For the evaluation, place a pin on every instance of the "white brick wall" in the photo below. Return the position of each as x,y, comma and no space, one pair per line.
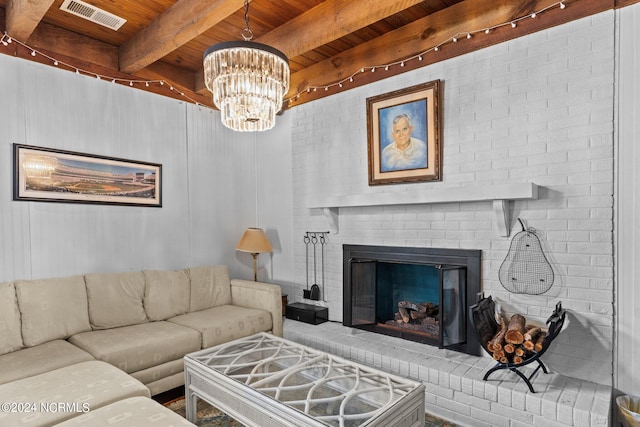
538,109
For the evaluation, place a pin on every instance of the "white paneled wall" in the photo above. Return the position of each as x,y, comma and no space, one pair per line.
274,200
627,376
222,182
536,109
209,180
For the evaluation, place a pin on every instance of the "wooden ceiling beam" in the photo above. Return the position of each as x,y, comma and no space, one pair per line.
423,35
181,23
416,37
200,87
73,45
23,16
310,29
177,81
625,3
329,21
101,59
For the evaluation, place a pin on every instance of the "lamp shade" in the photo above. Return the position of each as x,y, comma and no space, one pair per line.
254,241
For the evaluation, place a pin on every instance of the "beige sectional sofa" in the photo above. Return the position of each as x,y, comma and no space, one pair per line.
140,322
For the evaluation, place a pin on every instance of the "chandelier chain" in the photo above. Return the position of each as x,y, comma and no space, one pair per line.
247,34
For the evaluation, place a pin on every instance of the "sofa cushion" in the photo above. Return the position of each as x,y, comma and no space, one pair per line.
84,386
52,308
136,347
115,299
166,293
134,411
10,327
158,372
210,287
225,323
42,358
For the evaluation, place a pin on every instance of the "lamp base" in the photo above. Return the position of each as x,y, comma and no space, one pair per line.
255,267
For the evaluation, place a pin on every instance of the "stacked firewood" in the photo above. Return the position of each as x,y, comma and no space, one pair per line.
417,317
515,341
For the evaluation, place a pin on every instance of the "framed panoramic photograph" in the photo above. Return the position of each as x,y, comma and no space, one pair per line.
49,175
403,135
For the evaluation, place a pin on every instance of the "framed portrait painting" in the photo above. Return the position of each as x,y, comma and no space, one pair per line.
50,175
403,133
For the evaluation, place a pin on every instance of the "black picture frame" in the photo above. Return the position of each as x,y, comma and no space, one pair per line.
50,175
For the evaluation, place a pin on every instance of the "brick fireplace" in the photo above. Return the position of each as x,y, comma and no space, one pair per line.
418,294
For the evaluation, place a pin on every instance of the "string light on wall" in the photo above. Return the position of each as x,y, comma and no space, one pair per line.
6,39
419,56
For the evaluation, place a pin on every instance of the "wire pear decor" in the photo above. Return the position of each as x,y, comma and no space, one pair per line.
525,270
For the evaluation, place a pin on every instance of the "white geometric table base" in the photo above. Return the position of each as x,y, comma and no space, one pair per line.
265,380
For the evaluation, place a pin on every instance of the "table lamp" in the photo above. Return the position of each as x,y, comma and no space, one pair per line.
255,242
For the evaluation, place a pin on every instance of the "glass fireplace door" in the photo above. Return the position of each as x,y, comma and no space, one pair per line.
423,302
453,314
363,292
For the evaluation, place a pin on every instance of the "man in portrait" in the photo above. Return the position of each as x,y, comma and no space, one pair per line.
405,151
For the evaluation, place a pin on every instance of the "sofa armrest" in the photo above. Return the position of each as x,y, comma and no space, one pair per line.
263,296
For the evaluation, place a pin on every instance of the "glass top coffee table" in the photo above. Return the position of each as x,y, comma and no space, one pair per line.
265,381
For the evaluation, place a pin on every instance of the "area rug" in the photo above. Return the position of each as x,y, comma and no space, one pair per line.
208,416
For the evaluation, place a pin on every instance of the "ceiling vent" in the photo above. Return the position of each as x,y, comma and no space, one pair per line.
93,14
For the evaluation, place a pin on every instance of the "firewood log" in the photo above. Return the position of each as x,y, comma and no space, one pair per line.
539,342
515,329
519,351
518,359
408,304
417,315
531,333
528,345
509,348
498,339
504,359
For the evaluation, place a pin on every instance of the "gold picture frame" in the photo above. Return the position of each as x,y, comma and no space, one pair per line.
404,135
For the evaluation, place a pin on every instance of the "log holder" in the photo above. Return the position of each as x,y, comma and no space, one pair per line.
482,316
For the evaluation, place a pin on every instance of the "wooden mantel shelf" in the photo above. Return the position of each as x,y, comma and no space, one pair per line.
499,195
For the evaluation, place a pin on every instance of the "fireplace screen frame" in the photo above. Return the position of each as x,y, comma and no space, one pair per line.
469,259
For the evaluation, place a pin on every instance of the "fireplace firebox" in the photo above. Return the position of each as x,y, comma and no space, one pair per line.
419,294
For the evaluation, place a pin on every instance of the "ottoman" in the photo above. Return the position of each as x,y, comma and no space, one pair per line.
64,393
134,411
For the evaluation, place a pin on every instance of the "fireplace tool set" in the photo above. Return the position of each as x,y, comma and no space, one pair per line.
313,314
311,241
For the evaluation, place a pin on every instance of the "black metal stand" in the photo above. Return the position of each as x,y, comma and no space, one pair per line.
486,308
514,368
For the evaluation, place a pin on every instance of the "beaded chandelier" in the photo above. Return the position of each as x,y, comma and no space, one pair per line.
248,81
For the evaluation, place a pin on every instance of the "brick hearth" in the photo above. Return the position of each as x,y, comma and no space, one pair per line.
454,386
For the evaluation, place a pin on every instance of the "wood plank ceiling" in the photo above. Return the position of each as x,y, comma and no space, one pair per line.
332,45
